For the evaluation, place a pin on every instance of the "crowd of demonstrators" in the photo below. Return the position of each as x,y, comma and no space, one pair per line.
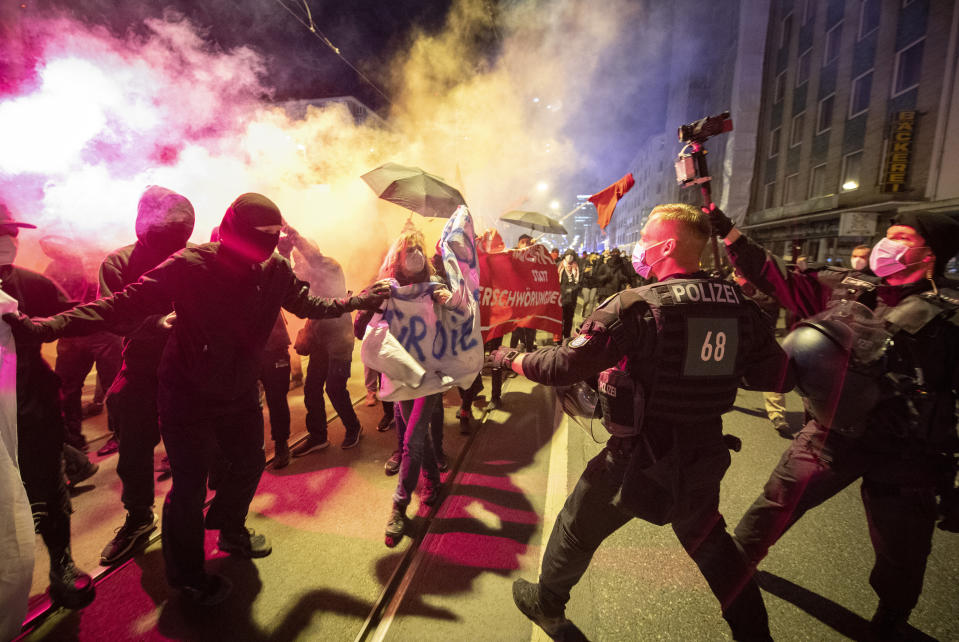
227,296
883,412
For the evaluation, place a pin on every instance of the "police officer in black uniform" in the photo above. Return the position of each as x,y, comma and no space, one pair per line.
890,421
670,357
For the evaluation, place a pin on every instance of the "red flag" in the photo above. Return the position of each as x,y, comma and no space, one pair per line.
605,200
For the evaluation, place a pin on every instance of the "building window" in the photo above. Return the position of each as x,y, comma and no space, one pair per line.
786,32
780,91
802,68
796,132
792,189
859,97
824,117
775,137
851,171
769,196
868,17
908,68
833,41
817,181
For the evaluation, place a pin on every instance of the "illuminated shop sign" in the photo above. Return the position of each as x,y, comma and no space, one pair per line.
899,152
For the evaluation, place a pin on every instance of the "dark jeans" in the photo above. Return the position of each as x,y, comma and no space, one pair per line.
40,454
898,493
132,402
275,377
76,356
413,422
231,441
437,421
331,373
525,335
569,311
592,513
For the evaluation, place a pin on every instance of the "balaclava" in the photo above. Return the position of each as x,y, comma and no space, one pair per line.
238,233
164,220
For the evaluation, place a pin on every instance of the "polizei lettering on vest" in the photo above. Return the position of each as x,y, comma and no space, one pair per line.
704,292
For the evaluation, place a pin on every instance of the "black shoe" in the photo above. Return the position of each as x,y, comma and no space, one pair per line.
464,415
110,447
210,591
69,586
281,455
352,441
396,525
309,445
887,624
392,465
386,422
784,429
442,463
133,531
244,543
494,404
556,626
431,492
77,475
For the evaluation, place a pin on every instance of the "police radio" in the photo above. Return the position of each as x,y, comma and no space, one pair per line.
622,402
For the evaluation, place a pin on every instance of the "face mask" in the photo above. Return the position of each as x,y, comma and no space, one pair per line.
414,263
859,263
639,259
887,257
8,249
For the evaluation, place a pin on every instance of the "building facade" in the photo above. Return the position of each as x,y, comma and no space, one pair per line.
858,107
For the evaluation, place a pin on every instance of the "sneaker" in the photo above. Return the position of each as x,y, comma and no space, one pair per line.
110,447
494,404
386,422
127,536
392,465
442,463
281,455
69,586
397,522
210,591
526,599
244,543
431,492
309,445
784,429
352,441
91,409
370,398
77,475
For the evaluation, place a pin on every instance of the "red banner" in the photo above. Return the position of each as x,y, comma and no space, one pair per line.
519,288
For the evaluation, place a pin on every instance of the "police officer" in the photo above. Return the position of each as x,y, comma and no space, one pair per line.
682,346
902,440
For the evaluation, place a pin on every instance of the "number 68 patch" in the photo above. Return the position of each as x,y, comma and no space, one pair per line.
711,347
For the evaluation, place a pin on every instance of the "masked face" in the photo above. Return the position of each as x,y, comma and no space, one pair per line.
413,262
642,267
8,249
250,228
889,257
859,263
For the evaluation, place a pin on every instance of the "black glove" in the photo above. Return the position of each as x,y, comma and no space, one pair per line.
30,330
501,357
370,298
722,224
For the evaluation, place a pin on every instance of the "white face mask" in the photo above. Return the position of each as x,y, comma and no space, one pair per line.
887,257
859,263
639,259
414,263
8,249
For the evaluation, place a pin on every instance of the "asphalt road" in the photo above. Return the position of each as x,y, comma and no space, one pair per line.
330,576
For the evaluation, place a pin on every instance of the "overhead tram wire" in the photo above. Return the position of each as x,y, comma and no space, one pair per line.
311,26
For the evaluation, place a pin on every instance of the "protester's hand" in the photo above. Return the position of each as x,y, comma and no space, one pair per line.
722,224
501,357
26,329
442,295
372,297
166,323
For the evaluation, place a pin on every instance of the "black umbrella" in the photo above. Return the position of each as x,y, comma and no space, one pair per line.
534,221
414,189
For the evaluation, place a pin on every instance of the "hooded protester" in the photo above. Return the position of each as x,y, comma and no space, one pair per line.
227,296
569,286
164,223
40,431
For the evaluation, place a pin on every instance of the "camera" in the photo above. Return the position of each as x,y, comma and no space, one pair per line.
700,130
